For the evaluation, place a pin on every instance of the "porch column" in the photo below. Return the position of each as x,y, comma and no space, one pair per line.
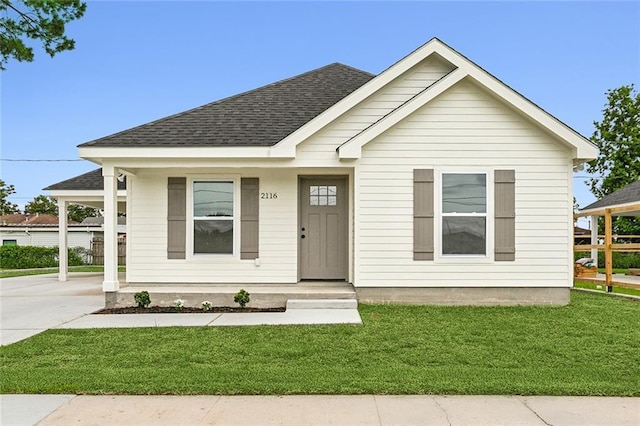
594,238
608,255
110,283
63,253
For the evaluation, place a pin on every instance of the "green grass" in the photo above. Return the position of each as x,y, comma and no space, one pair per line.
591,347
603,288
9,273
614,270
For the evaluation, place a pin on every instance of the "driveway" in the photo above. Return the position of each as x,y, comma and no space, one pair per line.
33,304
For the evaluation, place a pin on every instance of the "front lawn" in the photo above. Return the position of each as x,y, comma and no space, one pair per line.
591,347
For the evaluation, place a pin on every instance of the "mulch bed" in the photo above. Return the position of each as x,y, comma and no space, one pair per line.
185,310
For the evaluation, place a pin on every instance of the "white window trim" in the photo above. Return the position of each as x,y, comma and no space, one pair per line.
214,257
438,215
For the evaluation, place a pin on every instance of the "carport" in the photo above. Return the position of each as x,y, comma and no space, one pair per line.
623,202
86,190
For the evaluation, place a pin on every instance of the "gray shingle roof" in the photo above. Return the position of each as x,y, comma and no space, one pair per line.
91,181
260,117
625,195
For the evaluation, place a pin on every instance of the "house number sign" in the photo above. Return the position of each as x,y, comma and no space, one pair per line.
268,195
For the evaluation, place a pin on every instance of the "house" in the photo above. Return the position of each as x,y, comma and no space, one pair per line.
42,230
432,182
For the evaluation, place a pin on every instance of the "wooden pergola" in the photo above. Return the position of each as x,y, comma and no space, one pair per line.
624,202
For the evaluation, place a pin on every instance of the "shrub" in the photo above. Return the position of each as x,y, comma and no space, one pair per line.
242,298
84,254
178,304
142,299
27,257
206,305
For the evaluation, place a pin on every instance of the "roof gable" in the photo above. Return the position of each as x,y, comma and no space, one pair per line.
582,148
260,117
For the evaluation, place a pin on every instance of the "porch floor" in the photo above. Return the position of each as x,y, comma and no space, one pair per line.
262,295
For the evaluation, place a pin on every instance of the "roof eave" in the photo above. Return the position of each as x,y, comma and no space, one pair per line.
100,154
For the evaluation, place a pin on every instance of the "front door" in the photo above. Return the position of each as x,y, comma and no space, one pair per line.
323,228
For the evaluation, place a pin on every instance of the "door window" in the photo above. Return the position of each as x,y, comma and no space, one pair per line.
323,195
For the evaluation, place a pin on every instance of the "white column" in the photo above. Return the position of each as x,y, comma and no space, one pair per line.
594,237
63,253
110,282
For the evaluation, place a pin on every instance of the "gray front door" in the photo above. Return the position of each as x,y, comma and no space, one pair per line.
323,228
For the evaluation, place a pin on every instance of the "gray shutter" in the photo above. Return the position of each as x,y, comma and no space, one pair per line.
249,217
423,214
177,218
505,215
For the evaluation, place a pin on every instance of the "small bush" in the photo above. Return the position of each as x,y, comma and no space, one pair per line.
84,254
242,298
178,304
28,257
142,299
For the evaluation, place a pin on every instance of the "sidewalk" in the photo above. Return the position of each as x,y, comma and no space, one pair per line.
318,410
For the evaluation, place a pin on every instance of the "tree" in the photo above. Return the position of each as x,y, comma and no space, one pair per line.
7,207
42,205
42,20
79,213
618,138
47,205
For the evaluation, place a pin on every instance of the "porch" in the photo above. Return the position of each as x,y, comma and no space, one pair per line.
262,295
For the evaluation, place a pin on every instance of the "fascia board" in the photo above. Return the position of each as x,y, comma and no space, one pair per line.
106,153
368,89
352,149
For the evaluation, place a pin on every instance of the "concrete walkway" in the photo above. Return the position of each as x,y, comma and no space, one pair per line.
35,303
318,410
290,317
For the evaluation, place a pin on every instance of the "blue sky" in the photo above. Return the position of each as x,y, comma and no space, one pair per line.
139,61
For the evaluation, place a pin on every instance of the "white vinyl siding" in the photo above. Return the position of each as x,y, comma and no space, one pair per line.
463,130
323,145
148,261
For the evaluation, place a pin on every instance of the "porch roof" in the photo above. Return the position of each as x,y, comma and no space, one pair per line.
90,181
626,201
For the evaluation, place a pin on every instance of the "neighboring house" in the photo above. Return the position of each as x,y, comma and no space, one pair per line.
42,230
432,182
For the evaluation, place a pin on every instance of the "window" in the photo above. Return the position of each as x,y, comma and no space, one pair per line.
213,217
9,242
323,195
464,214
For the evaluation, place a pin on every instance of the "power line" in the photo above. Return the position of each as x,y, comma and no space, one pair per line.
24,160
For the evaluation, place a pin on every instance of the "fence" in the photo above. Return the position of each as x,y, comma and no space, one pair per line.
97,251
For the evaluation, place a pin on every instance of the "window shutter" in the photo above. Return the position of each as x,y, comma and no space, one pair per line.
176,217
249,217
505,215
423,214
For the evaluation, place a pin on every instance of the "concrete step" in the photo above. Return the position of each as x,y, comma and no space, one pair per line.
322,304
